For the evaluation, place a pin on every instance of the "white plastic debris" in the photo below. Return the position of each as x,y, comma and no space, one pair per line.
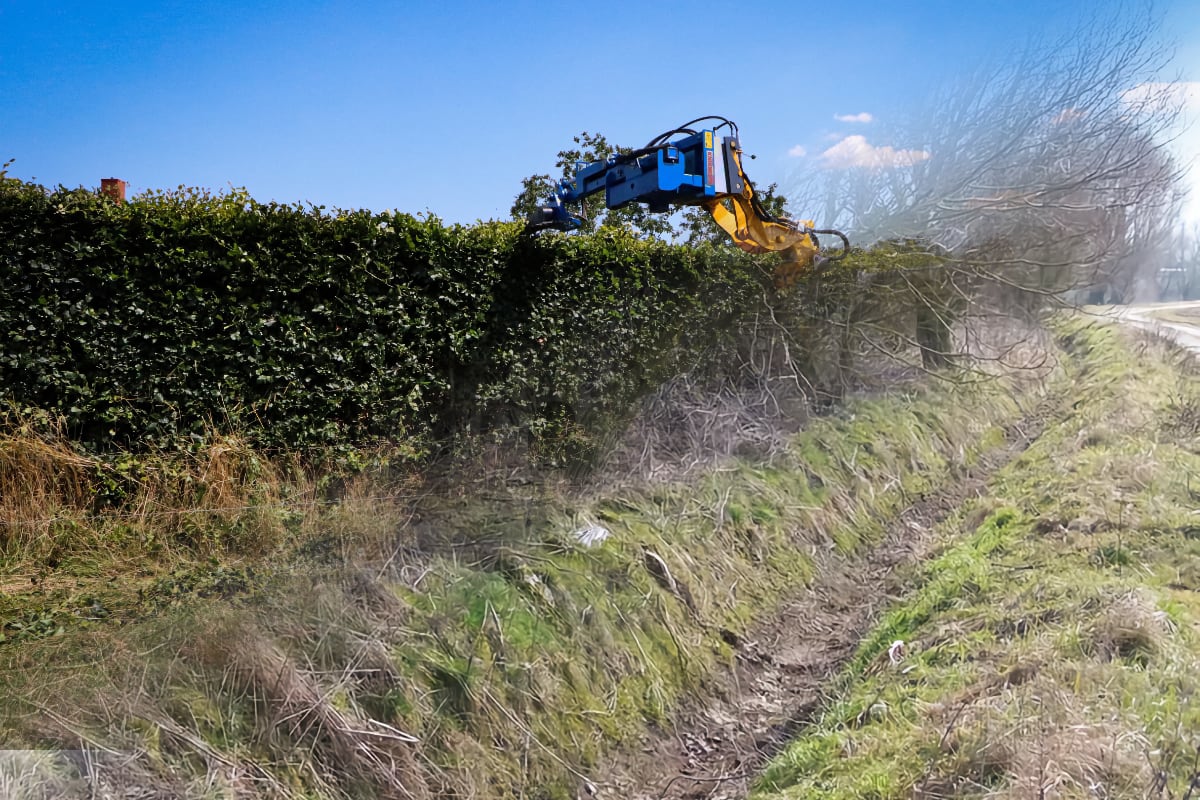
536,583
896,651
592,535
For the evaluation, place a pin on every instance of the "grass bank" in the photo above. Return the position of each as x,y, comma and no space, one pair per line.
409,642
1052,649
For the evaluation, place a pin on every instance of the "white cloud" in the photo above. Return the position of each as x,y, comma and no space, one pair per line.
863,117
799,151
856,151
1158,93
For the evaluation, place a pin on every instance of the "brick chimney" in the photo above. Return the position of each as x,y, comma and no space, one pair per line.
114,188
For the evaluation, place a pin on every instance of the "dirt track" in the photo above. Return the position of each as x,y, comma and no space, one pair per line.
715,751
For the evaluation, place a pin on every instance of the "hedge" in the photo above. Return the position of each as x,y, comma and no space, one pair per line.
145,323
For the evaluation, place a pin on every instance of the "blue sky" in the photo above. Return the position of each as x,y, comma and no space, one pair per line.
445,106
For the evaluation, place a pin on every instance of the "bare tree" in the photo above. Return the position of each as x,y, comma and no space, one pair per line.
1045,177
1070,136
1179,278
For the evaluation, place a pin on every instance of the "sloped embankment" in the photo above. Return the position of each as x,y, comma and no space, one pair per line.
473,645
717,747
1052,647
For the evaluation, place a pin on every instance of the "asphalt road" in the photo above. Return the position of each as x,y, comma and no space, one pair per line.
1177,321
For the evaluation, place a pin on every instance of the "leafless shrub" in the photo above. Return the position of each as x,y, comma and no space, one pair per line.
685,425
1047,171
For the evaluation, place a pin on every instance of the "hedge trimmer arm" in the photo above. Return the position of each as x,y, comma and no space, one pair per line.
697,169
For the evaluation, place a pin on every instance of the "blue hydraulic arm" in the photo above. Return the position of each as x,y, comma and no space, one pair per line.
700,168
688,171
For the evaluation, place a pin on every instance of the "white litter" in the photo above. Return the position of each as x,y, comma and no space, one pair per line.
592,535
535,582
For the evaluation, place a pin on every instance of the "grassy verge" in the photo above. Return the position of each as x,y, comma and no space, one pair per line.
1053,648
463,643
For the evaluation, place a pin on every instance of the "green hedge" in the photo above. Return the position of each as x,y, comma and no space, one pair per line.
147,322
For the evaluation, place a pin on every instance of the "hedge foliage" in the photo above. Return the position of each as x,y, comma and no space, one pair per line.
144,323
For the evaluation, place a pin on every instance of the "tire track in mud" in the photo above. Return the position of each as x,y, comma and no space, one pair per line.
716,749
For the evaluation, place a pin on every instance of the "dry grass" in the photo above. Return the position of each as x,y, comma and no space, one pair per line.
56,501
474,622
1131,627
38,775
296,711
42,480
1037,740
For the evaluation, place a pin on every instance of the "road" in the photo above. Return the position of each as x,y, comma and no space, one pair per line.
1179,322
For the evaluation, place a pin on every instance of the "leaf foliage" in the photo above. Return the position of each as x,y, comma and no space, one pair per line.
149,322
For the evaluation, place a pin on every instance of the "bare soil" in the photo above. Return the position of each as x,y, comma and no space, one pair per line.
715,750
